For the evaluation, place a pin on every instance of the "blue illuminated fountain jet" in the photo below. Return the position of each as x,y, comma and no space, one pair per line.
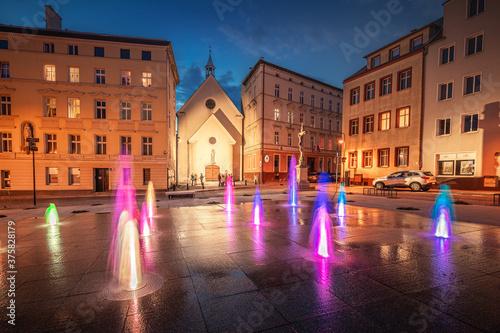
442,213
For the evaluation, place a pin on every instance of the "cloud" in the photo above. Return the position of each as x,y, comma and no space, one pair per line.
231,87
191,78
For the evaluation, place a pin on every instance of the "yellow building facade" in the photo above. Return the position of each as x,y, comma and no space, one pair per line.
89,99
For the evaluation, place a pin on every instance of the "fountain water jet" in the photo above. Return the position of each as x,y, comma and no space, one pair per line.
145,225
129,272
51,216
321,233
229,194
151,204
442,213
257,209
341,202
292,182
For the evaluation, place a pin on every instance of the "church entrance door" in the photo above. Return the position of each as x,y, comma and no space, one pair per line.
212,172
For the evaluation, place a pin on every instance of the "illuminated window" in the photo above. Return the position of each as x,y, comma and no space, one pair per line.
52,175
5,175
402,156
329,144
73,108
74,176
276,138
126,79
383,157
367,159
126,145
146,79
353,159
276,114
74,74
403,117
321,143
384,121
50,72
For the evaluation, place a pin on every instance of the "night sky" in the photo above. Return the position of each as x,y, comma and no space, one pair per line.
315,38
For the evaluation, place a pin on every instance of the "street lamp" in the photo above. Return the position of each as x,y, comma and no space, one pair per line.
342,151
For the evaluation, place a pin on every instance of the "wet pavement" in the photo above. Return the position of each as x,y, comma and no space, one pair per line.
222,274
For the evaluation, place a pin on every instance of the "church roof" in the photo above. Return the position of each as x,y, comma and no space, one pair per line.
210,62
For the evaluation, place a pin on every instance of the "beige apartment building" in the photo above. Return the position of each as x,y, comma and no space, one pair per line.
89,98
276,101
383,113
461,141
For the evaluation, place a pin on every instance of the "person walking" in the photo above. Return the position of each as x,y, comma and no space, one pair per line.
192,179
201,181
196,179
220,178
223,180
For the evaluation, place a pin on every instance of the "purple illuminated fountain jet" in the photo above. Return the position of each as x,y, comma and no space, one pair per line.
292,183
229,194
257,209
321,231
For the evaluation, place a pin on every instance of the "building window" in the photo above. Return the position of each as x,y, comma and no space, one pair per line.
4,70
311,142
383,158
126,145
48,47
146,79
470,122
290,117
73,108
353,126
100,76
147,146
146,176
474,45
50,107
405,79
125,111
74,74
146,111
447,54
146,55
50,72
5,178
276,163
301,118
4,44
276,114
313,121
475,7
52,176
321,123
290,94
126,79
353,159
368,124
370,91
329,144
321,101
100,144
51,143
465,167
276,138
384,121
98,51
394,53
301,97
376,61
74,176
330,124
416,43
73,49
386,86
355,96
367,159
403,117
100,109
402,156
472,84
289,139
443,126
338,108
330,105
75,144
338,126
124,54
277,90
445,91
312,100
321,143
6,142
5,106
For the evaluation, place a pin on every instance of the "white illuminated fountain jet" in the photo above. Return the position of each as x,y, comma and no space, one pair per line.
442,213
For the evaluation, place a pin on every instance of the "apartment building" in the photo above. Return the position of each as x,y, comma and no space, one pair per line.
383,114
89,98
276,101
461,141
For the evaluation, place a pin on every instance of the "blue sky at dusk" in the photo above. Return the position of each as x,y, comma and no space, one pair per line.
303,36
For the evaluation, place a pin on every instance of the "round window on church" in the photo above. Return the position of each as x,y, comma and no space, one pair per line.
212,140
210,103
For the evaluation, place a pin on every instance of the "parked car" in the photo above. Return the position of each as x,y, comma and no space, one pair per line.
312,177
416,180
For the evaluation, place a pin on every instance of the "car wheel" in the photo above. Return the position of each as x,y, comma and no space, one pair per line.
415,187
379,185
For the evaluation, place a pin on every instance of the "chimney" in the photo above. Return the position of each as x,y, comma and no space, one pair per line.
52,19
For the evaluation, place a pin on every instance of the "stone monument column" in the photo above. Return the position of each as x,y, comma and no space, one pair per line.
302,168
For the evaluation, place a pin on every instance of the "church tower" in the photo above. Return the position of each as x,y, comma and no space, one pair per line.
210,65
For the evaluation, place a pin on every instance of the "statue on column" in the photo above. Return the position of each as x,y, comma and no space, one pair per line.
301,143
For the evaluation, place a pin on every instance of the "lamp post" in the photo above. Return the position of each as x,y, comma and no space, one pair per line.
342,151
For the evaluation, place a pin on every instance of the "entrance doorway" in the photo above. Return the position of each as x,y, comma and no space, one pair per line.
212,173
310,163
101,179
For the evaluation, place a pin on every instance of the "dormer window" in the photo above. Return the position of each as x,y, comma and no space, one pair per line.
376,61
416,43
394,54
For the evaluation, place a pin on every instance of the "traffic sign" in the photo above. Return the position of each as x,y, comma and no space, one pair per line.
33,148
343,159
33,140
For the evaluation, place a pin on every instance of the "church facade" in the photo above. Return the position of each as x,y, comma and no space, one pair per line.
209,130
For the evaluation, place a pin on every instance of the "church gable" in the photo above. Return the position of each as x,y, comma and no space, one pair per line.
213,127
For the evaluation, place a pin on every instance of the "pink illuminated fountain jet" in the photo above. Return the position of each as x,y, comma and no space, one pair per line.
229,194
321,231
257,209
292,183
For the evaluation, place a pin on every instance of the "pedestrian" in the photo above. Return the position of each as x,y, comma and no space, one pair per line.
201,180
196,179
192,179
220,178
223,180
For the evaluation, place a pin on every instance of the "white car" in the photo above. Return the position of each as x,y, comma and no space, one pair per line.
416,180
